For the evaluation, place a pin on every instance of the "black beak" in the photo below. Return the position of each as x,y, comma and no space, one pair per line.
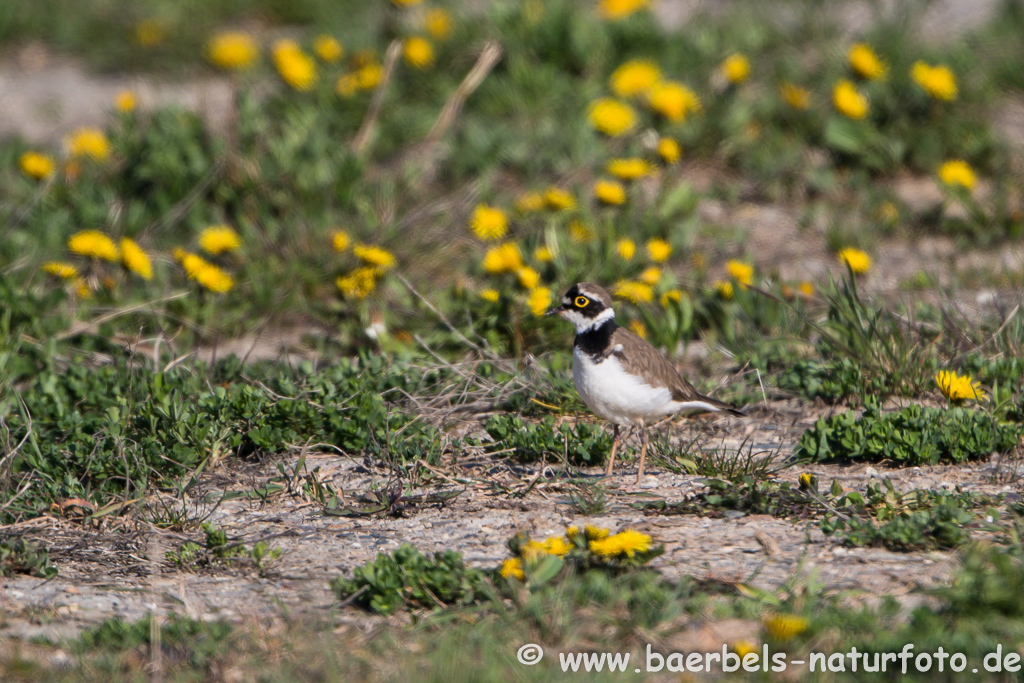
556,310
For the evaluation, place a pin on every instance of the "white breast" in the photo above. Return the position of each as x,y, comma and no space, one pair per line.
617,396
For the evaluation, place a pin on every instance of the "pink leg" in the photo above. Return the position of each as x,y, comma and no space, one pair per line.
611,456
643,451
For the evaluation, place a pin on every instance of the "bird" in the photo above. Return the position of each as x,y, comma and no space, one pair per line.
621,377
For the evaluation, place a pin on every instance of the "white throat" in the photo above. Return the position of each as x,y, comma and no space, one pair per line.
584,324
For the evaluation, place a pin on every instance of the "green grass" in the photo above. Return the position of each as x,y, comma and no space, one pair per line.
100,399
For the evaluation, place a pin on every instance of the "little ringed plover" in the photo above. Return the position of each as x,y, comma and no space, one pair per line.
621,377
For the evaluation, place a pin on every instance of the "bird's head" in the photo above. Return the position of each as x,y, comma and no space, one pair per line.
586,306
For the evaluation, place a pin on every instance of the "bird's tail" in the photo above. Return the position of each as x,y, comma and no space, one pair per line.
722,407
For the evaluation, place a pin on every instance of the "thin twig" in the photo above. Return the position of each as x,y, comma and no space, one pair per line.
484,63
81,327
485,352
28,432
362,137
352,598
40,192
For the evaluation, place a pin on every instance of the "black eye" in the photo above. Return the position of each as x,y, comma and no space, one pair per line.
581,302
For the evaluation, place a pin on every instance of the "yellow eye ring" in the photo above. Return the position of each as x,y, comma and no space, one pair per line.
581,302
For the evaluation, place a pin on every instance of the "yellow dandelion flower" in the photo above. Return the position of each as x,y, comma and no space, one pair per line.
724,289
418,52
135,259
795,96
542,254
849,101
558,199
958,387
858,261
532,551
673,100
625,248
806,288
735,68
672,295
94,244
784,627
125,101
638,328
493,262
742,648
611,117
150,32
183,257
88,142
938,81
580,232
605,547
529,202
346,85
381,259
806,480
215,279
359,283
206,274
557,545
740,271
587,534
669,150
651,275
35,165
438,23
489,294
957,172
609,192
865,62
528,277
61,270
488,222
295,67
613,10
628,169
512,568
540,300
340,240
82,289
628,543
658,250
327,48
635,77
218,239
504,258
369,76
405,3
231,50
637,292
